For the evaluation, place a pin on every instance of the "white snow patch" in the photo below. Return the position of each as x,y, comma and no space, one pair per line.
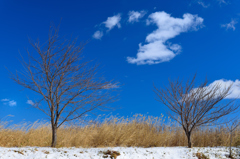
126,153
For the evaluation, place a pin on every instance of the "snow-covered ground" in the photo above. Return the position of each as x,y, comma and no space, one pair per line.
125,153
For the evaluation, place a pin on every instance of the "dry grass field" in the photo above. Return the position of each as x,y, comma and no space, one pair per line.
139,131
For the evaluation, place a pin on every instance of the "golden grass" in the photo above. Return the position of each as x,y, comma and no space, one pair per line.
139,130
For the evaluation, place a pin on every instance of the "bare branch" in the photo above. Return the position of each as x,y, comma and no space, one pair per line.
69,86
193,106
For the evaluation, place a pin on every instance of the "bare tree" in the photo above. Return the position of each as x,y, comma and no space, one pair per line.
193,106
69,87
232,126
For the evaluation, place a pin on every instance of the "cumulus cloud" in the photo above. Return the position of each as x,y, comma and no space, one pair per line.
203,4
9,102
30,102
157,49
134,16
234,92
98,35
113,21
230,25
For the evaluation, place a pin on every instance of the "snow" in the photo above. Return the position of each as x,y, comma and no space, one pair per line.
125,153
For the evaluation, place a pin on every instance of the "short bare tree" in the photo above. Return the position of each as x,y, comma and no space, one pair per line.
69,87
232,126
193,106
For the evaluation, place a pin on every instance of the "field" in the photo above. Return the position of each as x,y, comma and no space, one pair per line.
134,137
135,131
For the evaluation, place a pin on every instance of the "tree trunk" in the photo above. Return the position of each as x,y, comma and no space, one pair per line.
230,155
54,136
189,139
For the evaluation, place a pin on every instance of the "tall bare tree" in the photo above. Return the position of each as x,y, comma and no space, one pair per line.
69,87
193,106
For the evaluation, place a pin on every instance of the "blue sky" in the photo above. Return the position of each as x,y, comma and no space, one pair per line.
136,43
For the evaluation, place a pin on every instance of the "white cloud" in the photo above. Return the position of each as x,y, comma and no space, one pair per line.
134,16
235,90
153,53
9,102
113,21
110,86
110,23
222,2
5,100
203,4
230,25
30,102
98,35
12,103
223,84
157,49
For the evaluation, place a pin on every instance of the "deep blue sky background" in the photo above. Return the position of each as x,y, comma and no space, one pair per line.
212,51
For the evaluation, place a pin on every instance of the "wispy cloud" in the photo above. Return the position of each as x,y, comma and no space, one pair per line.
157,49
222,2
109,24
230,25
30,102
111,86
113,21
9,102
203,4
98,35
134,16
5,100
12,103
